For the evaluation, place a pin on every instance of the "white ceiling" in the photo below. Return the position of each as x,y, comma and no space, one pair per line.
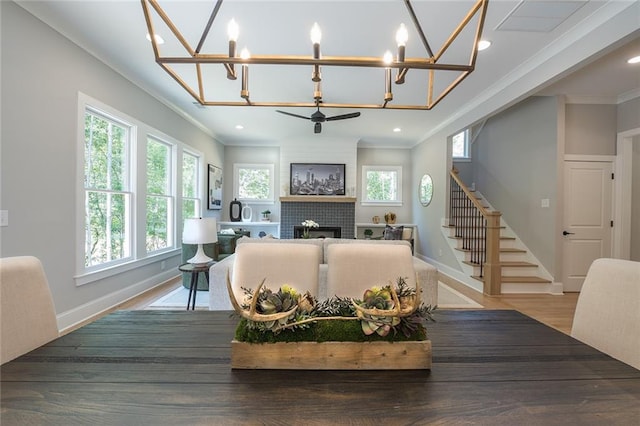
576,48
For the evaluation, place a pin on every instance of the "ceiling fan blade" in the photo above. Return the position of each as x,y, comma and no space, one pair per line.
343,116
293,115
317,128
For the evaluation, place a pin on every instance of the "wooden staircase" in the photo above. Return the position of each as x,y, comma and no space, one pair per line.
514,269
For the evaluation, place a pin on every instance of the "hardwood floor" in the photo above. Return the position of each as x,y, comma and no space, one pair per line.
554,311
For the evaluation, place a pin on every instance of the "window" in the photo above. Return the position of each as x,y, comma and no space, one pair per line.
460,145
107,196
382,185
253,183
190,187
128,197
159,201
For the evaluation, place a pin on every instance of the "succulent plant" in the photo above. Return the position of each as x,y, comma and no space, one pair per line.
378,298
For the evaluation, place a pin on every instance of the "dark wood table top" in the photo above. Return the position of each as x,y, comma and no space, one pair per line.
172,367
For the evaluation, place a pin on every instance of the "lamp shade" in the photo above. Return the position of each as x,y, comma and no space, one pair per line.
200,231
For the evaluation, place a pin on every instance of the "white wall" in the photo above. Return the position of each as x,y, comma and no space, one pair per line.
635,203
42,73
320,149
387,157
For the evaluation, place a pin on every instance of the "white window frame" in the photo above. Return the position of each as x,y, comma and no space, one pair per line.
366,201
236,182
170,195
467,146
139,132
127,190
198,185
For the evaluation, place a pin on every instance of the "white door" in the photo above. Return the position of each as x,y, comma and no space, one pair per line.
587,218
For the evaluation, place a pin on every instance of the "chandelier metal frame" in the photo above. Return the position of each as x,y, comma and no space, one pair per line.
403,65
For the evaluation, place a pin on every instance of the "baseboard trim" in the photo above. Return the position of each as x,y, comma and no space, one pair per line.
73,317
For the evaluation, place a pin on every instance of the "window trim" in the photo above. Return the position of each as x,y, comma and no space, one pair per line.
236,182
365,201
467,146
139,132
171,195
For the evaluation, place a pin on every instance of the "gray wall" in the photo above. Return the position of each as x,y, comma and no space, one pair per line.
42,73
515,164
628,115
590,129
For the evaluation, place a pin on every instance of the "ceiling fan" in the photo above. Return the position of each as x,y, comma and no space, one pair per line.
318,117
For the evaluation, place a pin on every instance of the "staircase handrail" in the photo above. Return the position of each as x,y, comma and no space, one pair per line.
483,210
492,269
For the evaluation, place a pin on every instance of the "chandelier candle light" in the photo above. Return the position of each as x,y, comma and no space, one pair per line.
200,231
177,66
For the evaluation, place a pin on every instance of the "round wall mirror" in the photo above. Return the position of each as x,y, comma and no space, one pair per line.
425,190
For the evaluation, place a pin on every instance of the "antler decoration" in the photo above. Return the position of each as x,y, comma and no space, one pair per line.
252,315
397,311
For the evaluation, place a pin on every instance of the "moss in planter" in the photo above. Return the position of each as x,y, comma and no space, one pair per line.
324,331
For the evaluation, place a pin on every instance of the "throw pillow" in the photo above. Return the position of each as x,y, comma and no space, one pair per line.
393,232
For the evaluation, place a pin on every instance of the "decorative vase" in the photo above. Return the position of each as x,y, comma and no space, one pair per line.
375,219
235,210
246,214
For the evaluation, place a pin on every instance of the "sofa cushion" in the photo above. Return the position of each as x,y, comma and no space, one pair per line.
280,263
317,242
354,268
329,241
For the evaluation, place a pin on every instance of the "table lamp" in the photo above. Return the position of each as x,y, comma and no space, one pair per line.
200,231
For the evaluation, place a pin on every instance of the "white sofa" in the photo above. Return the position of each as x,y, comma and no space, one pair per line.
426,273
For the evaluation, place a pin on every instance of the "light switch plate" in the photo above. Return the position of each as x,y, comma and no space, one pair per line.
545,203
4,217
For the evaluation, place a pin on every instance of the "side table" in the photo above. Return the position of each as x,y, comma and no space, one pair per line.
195,269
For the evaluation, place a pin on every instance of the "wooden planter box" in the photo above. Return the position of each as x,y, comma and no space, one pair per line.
415,355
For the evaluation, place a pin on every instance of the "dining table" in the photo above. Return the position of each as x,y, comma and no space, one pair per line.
152,367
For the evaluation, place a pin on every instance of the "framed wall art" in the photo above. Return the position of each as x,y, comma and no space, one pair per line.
214,188
317,179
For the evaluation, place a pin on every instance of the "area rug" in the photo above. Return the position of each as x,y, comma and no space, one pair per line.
177,299
448,298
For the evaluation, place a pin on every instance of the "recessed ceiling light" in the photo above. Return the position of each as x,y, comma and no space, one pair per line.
239,126
483,44
634,60
397,130
159,39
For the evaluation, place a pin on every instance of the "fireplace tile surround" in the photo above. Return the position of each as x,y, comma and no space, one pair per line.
328,214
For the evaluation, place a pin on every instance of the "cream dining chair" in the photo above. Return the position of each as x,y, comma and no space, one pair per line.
27,314
607,315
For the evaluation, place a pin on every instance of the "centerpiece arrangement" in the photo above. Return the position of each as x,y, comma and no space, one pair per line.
285,329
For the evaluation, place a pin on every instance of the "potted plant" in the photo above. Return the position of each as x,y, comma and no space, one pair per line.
368,233
265,215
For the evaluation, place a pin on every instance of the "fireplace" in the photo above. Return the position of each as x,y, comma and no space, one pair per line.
320,232
328,212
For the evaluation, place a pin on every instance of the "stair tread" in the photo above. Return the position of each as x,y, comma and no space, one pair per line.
516,263
533,280
524,279
511,250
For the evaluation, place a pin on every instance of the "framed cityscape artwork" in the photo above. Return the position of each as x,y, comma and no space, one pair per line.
317,179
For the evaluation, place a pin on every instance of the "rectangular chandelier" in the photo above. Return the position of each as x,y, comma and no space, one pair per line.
195,60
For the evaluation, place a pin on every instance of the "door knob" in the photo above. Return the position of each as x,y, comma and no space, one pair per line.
567,233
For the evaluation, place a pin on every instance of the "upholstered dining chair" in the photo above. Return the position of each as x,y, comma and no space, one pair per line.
607,315
27,314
